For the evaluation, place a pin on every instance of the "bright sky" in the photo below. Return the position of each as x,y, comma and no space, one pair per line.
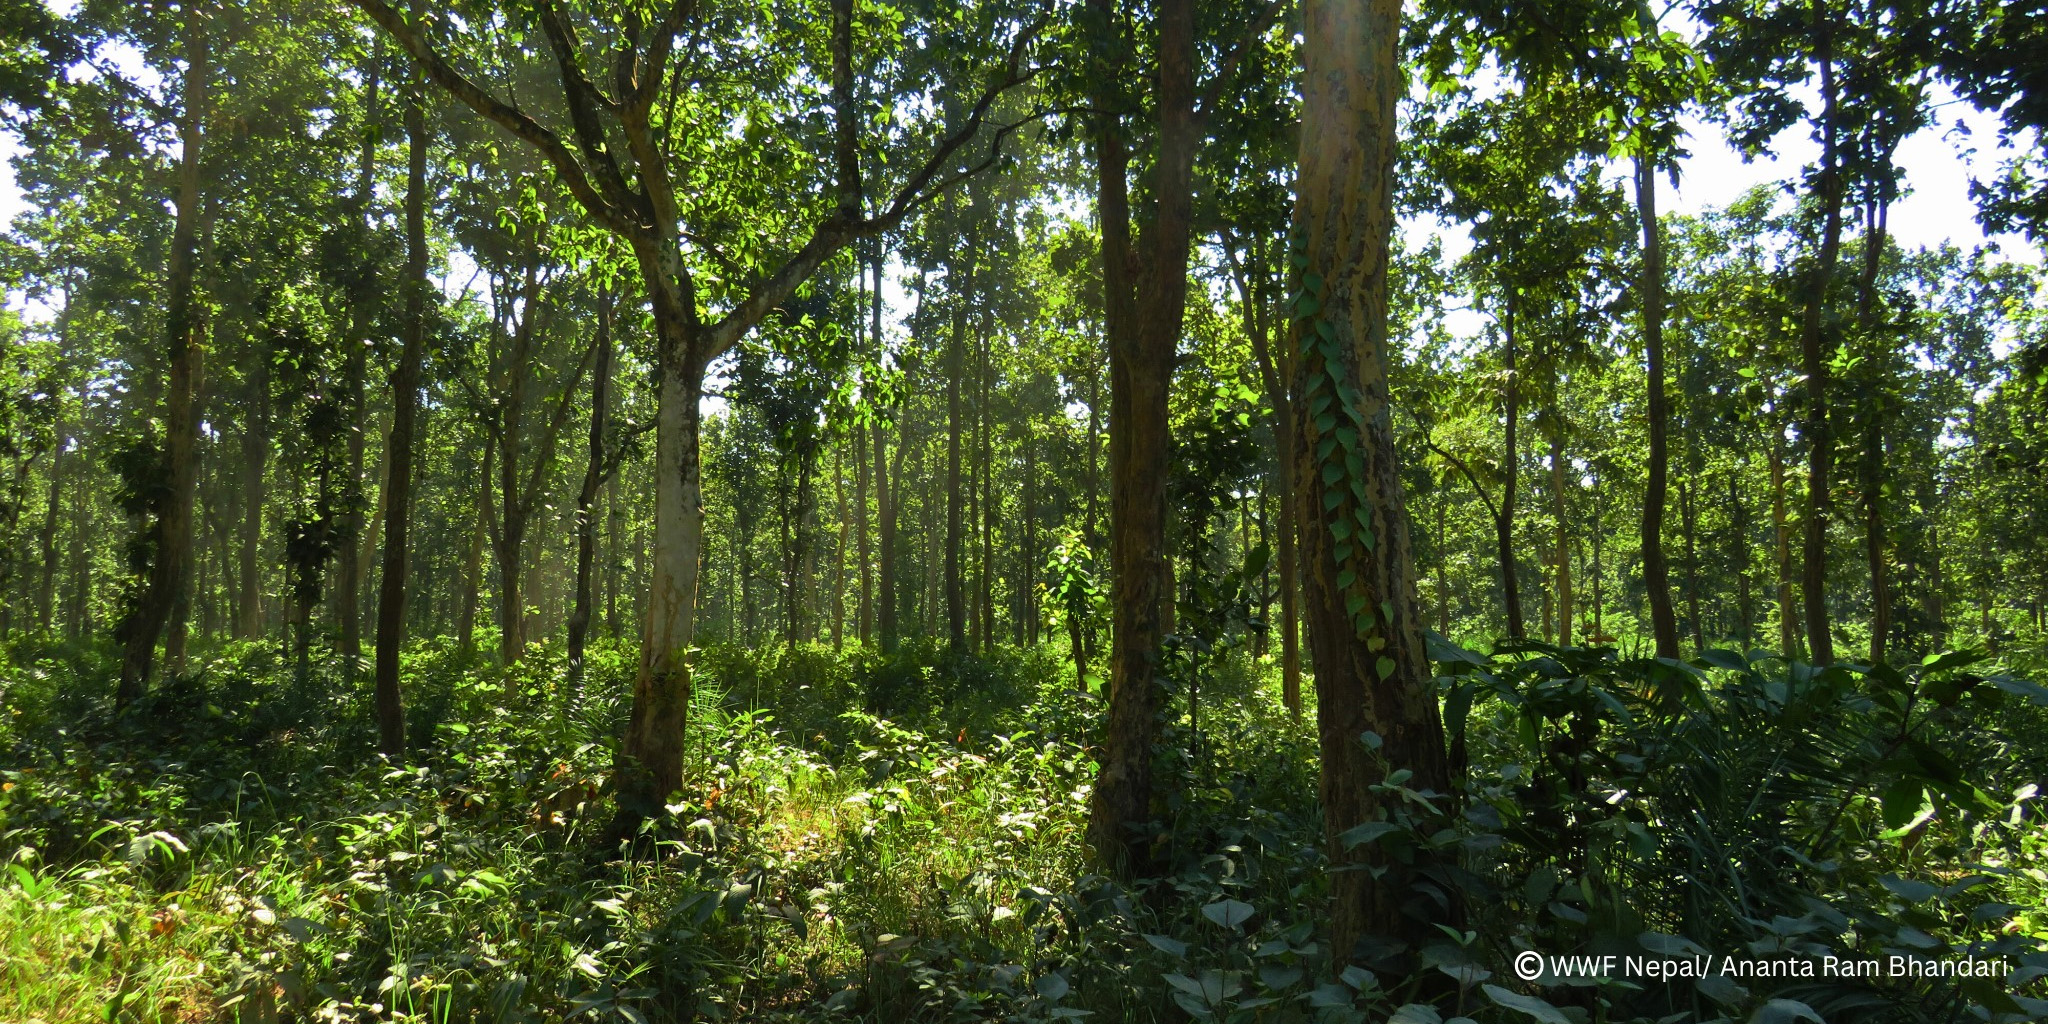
1938,162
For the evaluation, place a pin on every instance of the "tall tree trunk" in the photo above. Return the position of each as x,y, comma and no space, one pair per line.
1371,667
1689,519
255,453
473,562
46,591
398,457
1814,356
1739,528
839,552
1145,297
985,505
956,359
1511,474
1656,571
1872,461
885,514
1561,509
864,549
170,569
593,477
1781,535
1277,374
361,322
614,515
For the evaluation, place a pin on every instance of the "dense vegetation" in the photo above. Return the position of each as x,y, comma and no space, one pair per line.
614,510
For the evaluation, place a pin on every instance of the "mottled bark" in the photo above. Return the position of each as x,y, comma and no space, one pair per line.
1656,571
1365,638
171,567
398,457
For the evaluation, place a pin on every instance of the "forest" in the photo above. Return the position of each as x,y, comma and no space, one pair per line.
1023,510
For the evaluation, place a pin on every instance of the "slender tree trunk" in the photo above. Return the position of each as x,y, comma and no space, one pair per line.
614,514
1276,374
1371,667
1873,482
956,359
255,453
885,514
170,569
1788,618
46,591
361,323
473,562
1739,527
1443,583
1656,573
398,456
1511,466
1688,513
1814,356
1562,511
593,478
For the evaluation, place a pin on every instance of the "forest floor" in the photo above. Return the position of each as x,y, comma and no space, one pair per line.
229,851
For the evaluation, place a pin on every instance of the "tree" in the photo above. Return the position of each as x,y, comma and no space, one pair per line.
1365,635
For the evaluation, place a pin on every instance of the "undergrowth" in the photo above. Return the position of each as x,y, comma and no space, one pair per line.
227,850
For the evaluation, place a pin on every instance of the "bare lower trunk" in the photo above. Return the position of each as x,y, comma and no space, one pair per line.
1781,535
593,478
1145,305
1510,468
398,456
1564,536
1371,667
170,569
1815,352
1656,574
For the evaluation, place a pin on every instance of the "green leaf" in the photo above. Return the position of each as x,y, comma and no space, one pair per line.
1229,913
1171,947
1785,1011
1539,1009
1371,831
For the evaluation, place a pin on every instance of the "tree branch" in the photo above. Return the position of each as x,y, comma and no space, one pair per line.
508,117
1227,68
1491,508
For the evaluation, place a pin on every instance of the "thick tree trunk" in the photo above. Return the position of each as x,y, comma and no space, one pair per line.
1371,666
1145,293
1815,353
398,456
652,753
1656,571
171,568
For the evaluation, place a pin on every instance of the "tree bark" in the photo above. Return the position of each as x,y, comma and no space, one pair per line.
1656,571
593,478
361,317
1815,353
398,457
1365,637
956,358
170,569
1562,511
1788,618
1145,296
1511,474
1277,374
